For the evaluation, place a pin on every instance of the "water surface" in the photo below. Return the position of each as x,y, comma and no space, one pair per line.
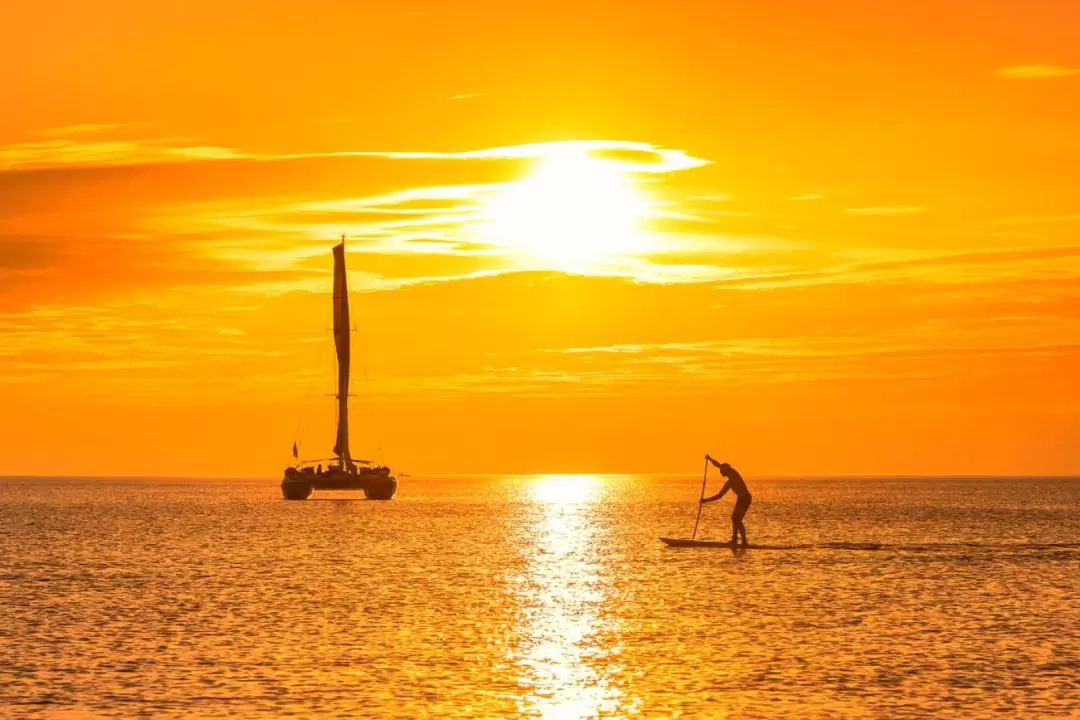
540,597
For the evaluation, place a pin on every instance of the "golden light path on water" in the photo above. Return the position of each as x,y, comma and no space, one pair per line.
569,647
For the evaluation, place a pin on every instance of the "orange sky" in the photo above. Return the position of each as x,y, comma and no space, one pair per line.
854,248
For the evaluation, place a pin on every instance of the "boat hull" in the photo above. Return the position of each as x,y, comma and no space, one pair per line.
296,489
376,484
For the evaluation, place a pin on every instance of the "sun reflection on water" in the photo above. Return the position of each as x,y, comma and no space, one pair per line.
568,649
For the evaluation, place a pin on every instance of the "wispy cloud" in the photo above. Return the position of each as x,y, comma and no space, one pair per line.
808,197
84,129
359,282
1036,219
438,222
137,344
927,349
887,210
928,268
467,96
1036,72
638,157
67,152
197,213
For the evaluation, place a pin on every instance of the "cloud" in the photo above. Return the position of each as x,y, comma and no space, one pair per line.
260,226
1036,219
638,157
155,343
928,268
166,342
215,209
887,210
908,343
66,152
84,129
929,349
359,282
442,222
92,219
445,220
647,158
1036,72
466,96
264,221
807,197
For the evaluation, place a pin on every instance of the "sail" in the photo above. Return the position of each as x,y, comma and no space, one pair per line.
341,342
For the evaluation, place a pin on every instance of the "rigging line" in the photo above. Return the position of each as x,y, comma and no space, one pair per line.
365,388
311,388
365,385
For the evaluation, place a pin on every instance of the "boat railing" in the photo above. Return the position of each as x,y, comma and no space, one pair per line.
327,462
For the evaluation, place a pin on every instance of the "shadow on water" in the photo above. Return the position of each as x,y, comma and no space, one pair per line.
874,547
343,499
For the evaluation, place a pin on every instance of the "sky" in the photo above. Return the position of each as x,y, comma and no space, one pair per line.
808,238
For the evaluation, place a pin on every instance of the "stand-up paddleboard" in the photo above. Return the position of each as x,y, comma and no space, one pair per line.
685,543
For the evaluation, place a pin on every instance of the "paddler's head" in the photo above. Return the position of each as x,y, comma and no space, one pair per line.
725,469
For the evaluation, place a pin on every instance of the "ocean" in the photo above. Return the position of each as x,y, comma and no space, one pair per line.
540,596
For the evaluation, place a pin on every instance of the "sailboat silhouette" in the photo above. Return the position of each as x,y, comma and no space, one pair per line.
341,472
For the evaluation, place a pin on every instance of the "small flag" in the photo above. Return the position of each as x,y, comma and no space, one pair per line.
295,452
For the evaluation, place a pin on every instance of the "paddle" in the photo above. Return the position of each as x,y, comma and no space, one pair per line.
703,478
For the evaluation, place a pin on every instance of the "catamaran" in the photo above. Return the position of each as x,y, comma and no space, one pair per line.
342,472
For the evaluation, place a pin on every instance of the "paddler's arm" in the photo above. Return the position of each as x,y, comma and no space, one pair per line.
717,496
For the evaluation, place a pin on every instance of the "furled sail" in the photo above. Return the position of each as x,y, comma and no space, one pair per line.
341,342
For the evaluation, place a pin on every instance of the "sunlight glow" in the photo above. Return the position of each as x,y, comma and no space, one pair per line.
572,212
568,657
565,489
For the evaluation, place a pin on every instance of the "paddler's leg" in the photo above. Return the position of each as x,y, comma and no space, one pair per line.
737,526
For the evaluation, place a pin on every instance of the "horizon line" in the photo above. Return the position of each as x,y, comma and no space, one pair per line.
437,475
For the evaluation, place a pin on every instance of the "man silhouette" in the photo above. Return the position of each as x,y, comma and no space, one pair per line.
737,486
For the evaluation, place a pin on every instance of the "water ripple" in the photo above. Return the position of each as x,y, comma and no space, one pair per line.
542,597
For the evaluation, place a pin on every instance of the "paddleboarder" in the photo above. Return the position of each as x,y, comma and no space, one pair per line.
737,486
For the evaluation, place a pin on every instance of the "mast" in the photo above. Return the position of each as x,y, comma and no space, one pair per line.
342,343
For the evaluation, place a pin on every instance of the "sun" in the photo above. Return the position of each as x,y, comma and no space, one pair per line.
574,211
